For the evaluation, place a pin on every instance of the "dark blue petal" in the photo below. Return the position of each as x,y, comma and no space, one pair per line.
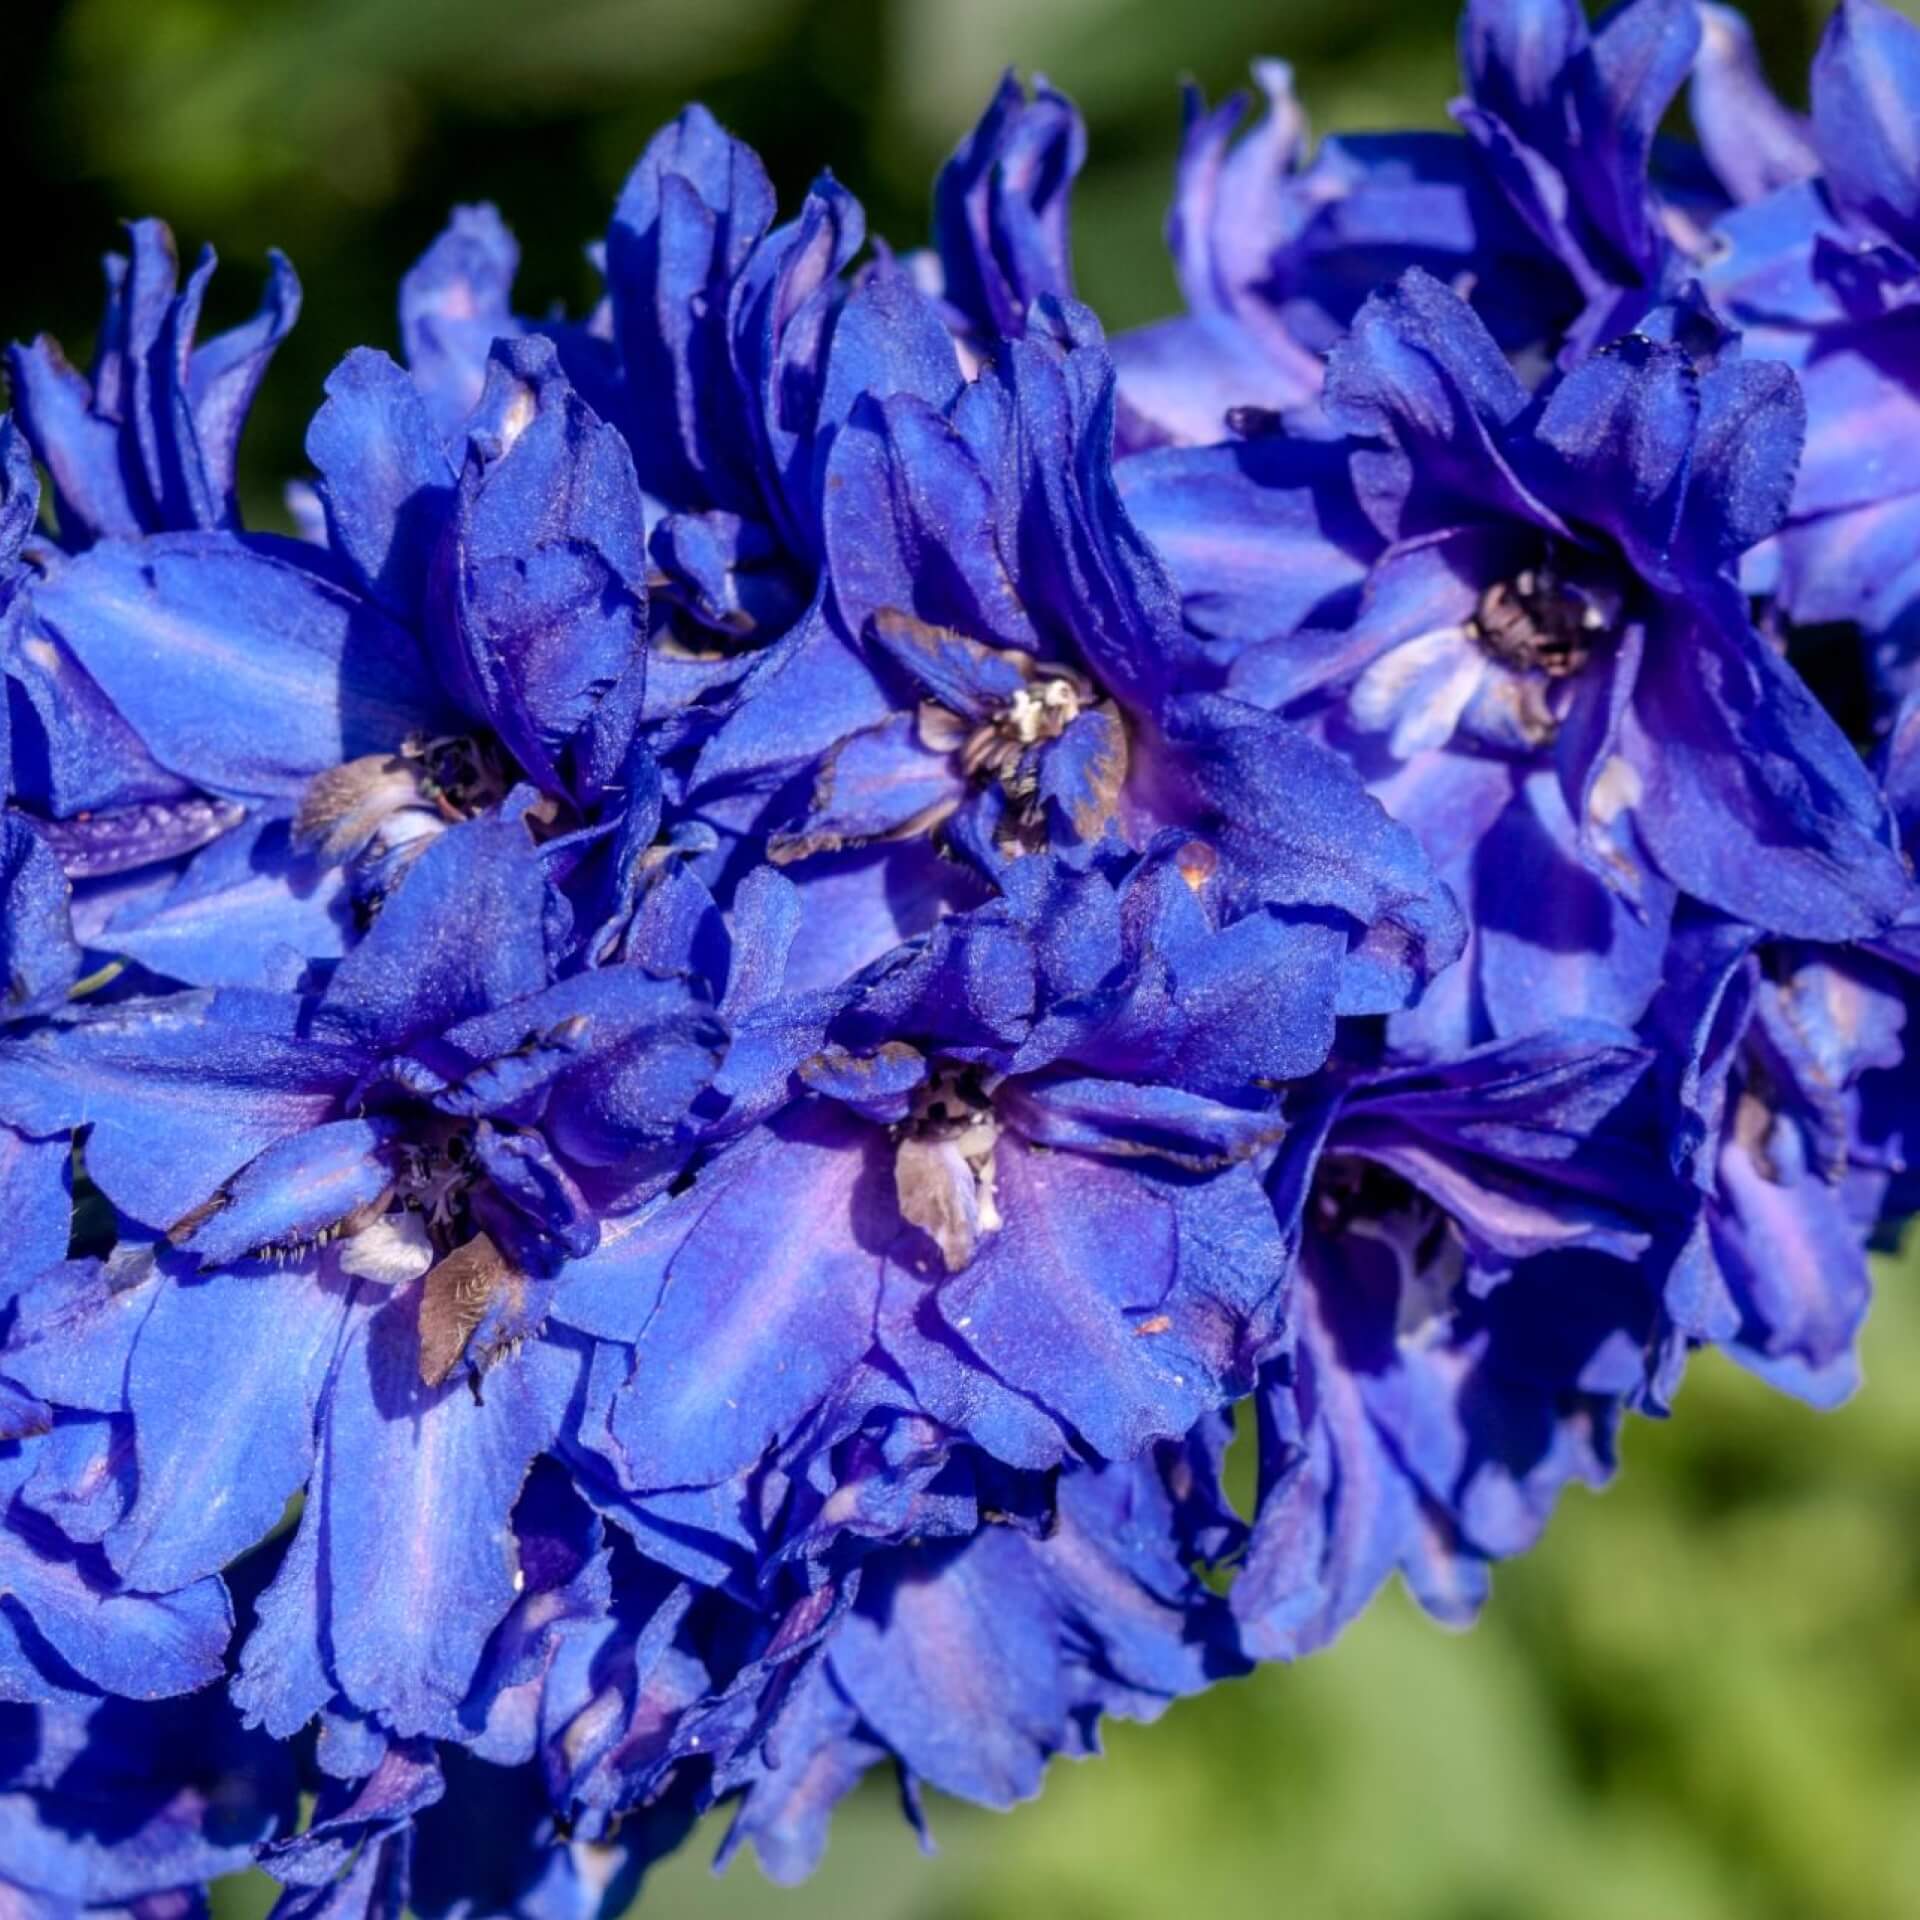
19,503
1336,1511
1514,56
39,960
1618,435
463,934
879,784
1555,944
1642,53
385,480
294,1191
1258,536
1297,829
1068,1302
1420,372
246,912
689,215
82,449
222,376
1750,798
548,578
1000,207
36,1204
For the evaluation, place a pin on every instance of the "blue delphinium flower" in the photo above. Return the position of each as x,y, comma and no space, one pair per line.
148,441
1522,582
735,1017
1543,212
1822,273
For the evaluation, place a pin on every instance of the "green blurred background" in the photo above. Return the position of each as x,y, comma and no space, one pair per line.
1700,1699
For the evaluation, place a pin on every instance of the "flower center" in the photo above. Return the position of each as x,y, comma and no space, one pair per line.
382,810
1040,711
1537,623
943,1165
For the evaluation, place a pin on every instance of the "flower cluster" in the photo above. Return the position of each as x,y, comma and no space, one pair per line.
665,1090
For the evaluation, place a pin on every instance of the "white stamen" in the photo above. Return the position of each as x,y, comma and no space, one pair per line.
1617,788
392,1250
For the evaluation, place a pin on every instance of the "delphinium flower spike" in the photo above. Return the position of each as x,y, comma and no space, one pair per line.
669,1087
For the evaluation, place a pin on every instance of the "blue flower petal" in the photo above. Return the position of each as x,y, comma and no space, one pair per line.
438,1471
239,669
1866,81
262,1346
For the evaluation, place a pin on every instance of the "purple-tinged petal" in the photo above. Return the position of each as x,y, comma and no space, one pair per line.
1866,93
955,1660
455,302
767,1302
19,510
910,540
23,1415
84,1475
74,1335
1527,1145
889,339
1514,56
1000,207
1753,422
407,1780
284,1676
1617,435
800,698
1297,829
119,840
1795,1262
1754,145
1114,1120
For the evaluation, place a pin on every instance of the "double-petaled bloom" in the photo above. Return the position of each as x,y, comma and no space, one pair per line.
665,1091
